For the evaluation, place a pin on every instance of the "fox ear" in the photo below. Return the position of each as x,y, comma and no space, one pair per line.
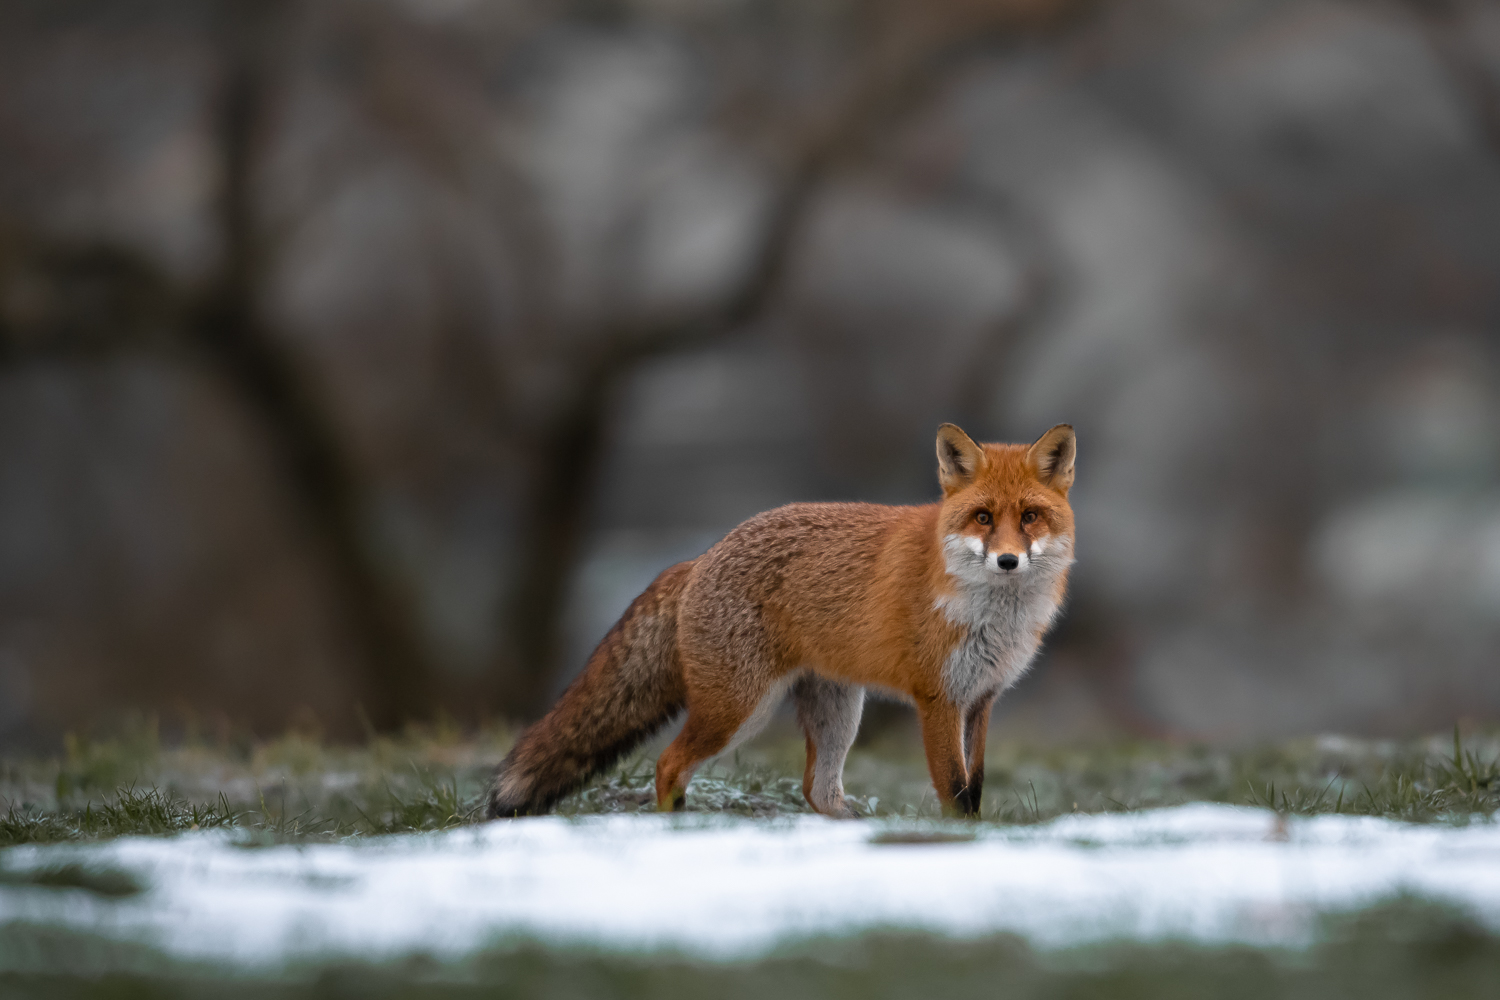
959,458
1053,455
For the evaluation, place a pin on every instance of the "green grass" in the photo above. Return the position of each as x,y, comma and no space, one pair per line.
298,788
128,812
287,789
1402,949
1421,789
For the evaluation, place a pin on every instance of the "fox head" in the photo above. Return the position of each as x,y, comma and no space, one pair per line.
1005,512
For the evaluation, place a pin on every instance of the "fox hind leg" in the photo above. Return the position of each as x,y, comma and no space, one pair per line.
711,724
829,713
732,678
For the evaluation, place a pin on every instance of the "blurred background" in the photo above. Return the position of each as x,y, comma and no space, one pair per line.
360,360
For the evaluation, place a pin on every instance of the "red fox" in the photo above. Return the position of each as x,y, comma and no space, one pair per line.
942,605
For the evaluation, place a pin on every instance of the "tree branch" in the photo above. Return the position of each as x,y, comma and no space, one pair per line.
1441,22
913,57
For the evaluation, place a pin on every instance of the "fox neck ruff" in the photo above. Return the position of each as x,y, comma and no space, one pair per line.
1003,614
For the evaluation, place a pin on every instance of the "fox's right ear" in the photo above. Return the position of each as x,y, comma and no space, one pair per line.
959,458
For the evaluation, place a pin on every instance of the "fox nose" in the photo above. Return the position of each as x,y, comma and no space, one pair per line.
1007,561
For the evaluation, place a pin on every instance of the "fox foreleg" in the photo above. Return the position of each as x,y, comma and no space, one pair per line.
976,729
943,741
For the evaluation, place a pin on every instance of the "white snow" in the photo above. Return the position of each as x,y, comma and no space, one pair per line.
723,887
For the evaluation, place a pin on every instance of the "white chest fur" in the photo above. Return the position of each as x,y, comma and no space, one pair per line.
1003,616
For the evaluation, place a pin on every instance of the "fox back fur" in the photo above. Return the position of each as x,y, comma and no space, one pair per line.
942,605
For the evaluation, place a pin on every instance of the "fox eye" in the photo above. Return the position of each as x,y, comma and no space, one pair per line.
983,517
1028,517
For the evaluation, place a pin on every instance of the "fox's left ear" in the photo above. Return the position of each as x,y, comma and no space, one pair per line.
1053,455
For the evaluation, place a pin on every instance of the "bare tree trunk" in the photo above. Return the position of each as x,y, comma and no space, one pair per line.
229,328
570,452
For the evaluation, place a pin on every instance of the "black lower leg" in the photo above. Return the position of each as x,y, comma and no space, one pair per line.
972,791
965,799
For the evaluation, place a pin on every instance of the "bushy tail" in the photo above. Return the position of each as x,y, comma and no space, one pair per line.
631,687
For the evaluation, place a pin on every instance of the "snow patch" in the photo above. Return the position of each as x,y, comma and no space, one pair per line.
727,887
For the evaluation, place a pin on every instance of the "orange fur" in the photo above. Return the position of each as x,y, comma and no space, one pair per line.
942,605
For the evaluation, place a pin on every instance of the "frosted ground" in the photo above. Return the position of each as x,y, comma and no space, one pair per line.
737,888
279,865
